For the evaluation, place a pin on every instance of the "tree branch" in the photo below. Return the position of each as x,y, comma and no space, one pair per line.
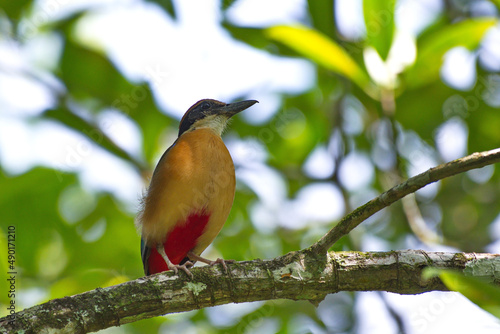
349,222
295,276
310,274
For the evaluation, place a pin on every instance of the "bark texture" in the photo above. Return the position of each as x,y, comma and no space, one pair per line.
296,276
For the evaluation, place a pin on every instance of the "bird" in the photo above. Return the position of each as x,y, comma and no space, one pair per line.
191,191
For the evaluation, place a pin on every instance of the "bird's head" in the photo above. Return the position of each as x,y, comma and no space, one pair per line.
211,114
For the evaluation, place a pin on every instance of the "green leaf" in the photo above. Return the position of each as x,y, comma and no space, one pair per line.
14,9
483,123
416,113
227,3
379,22
88,74
430,51
29,203
167,6
251,36
321,13
481,293
323,51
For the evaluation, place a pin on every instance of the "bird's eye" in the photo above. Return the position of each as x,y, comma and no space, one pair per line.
205,106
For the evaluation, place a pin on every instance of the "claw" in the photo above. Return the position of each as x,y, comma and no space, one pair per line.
223,262
193,256
174,267
183,267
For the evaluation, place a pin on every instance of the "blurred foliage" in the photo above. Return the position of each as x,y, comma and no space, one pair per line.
481,292
432,47
71,240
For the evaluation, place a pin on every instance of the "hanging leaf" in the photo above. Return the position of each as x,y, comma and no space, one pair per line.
379,22
321,50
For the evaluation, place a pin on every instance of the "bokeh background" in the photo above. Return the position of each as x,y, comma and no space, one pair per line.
354,97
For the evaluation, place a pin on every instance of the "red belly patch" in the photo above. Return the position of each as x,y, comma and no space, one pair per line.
179,242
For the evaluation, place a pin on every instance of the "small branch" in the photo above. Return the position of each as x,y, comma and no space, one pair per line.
417,222
295,276
349,222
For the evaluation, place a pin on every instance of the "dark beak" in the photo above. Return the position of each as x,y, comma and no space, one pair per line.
232,109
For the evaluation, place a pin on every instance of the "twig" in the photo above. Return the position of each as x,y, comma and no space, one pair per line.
349,222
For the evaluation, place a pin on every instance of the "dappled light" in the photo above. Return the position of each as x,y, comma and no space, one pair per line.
355,97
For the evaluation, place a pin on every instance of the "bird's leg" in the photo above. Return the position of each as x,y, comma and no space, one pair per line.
170,265
195,257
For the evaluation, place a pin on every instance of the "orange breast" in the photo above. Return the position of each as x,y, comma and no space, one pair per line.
196,175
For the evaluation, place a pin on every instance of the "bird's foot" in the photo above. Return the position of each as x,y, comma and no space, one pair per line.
195,257
223,262
174,267
184,267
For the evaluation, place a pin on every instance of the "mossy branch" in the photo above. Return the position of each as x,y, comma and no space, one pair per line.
295,276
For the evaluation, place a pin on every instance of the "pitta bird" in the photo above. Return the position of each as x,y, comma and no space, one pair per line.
191,191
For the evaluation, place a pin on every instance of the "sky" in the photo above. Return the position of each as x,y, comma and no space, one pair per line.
211,64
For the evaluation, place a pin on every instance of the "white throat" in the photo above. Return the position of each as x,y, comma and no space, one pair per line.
216,123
